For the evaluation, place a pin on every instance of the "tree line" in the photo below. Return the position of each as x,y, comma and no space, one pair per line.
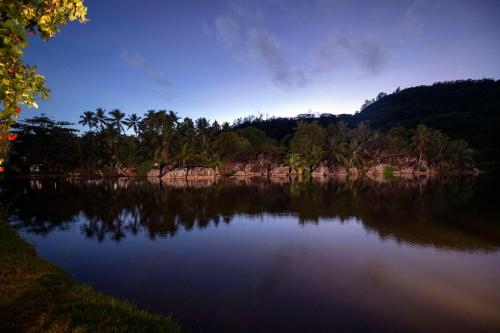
160,137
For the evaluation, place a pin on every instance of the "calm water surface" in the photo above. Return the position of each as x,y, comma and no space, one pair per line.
257,256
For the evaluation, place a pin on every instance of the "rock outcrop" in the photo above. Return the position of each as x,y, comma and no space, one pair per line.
377,160
201,173
176,173
253,165
354,172
321,170
295,172
401,161
154,173
377,170
190,173
280,171
254,169
126,172
166,168
337,171
230,168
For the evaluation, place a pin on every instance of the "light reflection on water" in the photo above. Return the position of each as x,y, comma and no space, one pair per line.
240,255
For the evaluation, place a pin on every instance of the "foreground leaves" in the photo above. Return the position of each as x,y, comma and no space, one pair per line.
20,84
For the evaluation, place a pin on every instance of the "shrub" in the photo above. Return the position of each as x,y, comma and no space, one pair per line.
389,172
145,167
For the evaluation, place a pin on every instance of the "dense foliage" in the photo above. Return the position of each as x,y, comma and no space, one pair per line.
19,82
468,110
159,138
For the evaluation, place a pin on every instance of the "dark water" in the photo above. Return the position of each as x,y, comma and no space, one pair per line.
257,256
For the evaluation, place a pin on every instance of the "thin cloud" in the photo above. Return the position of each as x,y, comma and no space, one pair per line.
228,32
369,55
269,52
249,43
418,10
138,61
366,53
206,28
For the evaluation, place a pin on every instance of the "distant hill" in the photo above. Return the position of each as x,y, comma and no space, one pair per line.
468,109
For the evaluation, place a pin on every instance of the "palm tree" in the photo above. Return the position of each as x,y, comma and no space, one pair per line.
116,120
361,132
205,133
184,154
100,116
110,133
438,143
333,146
133,122
459,154
157,130
420,141
88,118
204,145
349,154
295,161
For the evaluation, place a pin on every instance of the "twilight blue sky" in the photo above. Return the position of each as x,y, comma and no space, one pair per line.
225,59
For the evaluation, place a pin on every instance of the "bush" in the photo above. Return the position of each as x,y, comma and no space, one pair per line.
389,172
145,167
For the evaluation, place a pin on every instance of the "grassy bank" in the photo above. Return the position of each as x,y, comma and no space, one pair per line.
36,296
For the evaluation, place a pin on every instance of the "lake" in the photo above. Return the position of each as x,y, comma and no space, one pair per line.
253,255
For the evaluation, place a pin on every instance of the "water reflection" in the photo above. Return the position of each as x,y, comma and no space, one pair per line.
444,213
246,255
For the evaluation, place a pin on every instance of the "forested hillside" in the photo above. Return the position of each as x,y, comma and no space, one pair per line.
468,110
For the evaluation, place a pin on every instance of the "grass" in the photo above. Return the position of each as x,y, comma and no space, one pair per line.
36,296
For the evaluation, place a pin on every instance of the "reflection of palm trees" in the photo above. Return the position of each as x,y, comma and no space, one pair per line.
110,210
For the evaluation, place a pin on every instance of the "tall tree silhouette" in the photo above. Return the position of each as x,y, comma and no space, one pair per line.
133,122
420,141
101,118
116,119
157,130
88,118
